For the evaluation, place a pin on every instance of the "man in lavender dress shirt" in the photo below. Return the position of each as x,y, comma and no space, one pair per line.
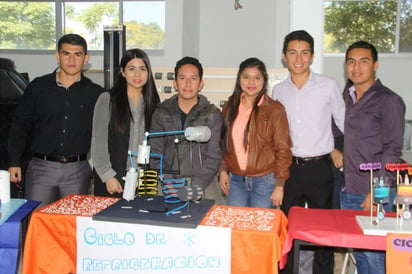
374,126
311,100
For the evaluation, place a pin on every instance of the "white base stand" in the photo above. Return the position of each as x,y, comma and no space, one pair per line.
383,227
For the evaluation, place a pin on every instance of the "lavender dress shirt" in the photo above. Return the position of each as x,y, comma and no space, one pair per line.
310,111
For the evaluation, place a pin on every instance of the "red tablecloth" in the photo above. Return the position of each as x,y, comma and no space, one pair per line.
257,235
328,227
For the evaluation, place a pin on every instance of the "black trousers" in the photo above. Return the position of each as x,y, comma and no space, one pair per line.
312,183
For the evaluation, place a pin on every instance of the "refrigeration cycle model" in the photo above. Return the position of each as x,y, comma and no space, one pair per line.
404,190
381,190
175,191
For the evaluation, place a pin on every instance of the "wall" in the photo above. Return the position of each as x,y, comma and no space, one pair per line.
218,81
229,36
394,72
210,30
43,62
222,37
299,20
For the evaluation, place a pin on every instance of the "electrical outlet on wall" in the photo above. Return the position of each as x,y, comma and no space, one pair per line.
158,75
167,89
170,76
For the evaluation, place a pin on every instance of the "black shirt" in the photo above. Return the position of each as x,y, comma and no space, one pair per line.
59,119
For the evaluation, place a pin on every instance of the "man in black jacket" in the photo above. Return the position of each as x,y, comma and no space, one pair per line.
197,161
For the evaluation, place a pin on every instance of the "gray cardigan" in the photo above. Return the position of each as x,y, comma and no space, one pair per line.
99,149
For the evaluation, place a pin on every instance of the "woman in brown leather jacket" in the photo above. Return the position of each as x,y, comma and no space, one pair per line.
255,141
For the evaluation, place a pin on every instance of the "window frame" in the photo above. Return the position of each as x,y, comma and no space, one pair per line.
397,32
59,17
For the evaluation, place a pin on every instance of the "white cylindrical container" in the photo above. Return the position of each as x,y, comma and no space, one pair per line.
130,184
4,186
143,154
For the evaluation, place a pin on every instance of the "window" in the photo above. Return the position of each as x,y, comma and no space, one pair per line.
145,24
27,25
385,23
88,20
38,24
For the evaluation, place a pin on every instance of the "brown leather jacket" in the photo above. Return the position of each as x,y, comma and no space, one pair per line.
269,143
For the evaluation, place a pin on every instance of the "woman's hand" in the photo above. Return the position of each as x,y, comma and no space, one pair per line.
277,196
224,182
113,186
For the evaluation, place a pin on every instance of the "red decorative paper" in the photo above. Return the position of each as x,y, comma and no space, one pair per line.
80,205
242,218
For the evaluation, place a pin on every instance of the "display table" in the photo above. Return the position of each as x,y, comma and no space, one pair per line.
10,235
327,227
257,235
50,245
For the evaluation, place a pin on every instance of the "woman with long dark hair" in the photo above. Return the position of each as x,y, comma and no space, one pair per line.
121,117
255,141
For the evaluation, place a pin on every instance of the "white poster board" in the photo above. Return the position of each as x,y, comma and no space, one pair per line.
112,247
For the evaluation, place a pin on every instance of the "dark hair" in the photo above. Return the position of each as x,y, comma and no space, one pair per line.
72,39
189,61
299,35
363,45
119,92
234,102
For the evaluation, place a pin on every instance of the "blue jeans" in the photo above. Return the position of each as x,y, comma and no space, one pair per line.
338,180
251,191
367,261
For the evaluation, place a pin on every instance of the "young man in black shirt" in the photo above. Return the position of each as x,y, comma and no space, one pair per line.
56,110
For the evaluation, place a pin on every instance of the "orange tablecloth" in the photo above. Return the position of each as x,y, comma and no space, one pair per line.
257,236
50,246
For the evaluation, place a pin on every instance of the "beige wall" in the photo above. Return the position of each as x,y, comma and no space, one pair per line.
219,82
